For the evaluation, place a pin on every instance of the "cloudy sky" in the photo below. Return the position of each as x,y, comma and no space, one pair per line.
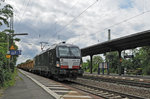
79,22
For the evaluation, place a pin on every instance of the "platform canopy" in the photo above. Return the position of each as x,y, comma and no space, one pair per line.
127,42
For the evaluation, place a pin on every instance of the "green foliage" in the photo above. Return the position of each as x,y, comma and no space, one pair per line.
96,61
113,59
7,77
144,56
3,49
17,39
140,64
6,72
86,66
28,60
5,14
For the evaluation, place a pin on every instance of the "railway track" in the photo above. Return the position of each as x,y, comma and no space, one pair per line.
101,92
120,81
107,94
98,89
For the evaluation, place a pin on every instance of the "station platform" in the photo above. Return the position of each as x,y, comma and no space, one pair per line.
32,86
137,78
25,88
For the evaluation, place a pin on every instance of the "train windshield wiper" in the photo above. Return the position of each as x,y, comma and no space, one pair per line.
73,55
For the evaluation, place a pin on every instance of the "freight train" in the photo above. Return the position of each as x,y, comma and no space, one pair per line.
62,61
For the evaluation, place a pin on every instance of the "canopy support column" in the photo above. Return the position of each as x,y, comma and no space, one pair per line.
91,65
120,61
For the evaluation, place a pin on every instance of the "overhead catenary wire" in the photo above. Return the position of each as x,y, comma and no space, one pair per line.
57,32
24,11
27,23
73,6
56,22
126,20
17,16
15,9
109,26
68,12
68,23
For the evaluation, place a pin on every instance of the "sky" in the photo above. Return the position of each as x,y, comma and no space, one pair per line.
79,22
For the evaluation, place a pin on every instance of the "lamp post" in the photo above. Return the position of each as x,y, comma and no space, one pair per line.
12,35
16,34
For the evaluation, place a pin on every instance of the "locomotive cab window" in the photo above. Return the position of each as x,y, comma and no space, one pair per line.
65,51
75,51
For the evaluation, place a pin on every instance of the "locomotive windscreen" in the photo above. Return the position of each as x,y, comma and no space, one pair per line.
69,51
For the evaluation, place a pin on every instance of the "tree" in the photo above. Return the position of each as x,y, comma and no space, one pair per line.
3,48
113,59
96,61
5,14
144,57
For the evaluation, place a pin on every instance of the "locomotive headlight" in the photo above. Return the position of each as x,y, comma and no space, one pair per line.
57,64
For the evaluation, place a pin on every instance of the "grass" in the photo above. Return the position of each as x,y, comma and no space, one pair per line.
8,83
1,92
13,79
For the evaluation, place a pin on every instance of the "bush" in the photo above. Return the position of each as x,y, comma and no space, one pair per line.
146,70
1,76
7,78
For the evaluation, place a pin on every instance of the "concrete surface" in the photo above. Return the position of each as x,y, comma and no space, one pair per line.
25,89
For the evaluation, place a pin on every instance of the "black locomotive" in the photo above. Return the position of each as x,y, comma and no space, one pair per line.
62,61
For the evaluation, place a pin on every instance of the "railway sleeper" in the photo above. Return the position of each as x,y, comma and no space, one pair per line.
116,97
110,95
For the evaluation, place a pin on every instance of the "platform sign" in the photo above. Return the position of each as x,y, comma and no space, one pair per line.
8,56
12,47
15,52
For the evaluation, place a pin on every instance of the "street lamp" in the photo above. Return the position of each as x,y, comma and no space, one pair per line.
19,34
12,34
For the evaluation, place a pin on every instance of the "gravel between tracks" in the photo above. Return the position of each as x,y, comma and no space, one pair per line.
143,92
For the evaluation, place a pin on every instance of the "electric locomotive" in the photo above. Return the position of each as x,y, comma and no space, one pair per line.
62,61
